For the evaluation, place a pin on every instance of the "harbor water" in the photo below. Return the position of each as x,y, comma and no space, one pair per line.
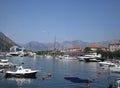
59,69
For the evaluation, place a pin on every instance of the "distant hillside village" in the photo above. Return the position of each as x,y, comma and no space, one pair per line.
114,46
8,47
73,51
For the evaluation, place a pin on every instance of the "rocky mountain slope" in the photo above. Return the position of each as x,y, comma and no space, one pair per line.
5,42
37,46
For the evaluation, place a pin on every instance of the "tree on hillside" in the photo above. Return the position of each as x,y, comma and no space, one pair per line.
87,50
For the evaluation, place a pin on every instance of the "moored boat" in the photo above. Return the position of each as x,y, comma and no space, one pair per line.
89,59
92,57
5,63
21,72
106,63
115,68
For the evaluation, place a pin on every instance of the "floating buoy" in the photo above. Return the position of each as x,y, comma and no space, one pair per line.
44,77
87,83
99,73
103,68
93,79
49,75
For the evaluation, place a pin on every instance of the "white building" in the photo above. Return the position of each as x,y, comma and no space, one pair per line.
114,46
72,49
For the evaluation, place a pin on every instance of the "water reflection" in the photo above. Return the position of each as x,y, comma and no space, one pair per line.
21,81
59,69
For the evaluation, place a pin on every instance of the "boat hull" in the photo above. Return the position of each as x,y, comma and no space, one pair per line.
92,60
115,69
19,75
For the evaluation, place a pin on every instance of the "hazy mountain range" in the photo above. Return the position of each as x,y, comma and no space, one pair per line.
37,46
6,43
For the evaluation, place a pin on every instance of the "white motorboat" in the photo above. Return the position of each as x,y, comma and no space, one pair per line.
115,68
16,51
81,58
93,57
8,55
106,63
5,63
21,72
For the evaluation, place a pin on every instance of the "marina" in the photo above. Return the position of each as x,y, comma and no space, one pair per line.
59,73
60,44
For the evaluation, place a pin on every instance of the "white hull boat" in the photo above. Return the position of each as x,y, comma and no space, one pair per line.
5,63
21,72
93,57
115,69
106,63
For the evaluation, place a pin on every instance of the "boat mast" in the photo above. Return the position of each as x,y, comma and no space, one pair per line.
54,46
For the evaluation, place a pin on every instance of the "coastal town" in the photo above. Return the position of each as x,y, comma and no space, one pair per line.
59,43
72,51
94,53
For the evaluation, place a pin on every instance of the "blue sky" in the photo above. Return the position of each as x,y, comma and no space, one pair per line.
42,20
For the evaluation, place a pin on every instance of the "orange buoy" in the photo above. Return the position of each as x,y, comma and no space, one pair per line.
49,75
87,83
99,73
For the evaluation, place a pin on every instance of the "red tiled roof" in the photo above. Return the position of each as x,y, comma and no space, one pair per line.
75,47
96,46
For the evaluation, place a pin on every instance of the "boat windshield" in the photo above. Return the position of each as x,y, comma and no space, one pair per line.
20,68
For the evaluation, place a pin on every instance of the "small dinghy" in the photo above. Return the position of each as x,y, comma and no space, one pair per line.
21,72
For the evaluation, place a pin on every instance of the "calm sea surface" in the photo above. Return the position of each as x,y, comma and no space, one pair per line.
59,69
